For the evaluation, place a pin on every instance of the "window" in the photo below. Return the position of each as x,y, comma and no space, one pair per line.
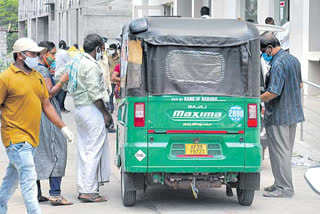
189,67
251,10
284,11
167,9
52,11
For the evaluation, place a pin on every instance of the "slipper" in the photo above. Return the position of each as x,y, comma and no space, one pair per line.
59,201
276,194
270,188
42,199
92,198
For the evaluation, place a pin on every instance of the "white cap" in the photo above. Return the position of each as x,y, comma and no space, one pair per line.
26,44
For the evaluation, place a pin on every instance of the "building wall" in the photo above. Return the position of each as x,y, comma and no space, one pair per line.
72,20
184,8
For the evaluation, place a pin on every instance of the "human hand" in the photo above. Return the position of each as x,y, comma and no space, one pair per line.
108,119
67,134
65,77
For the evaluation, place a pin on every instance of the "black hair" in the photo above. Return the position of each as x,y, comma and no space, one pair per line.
47,44
250,20
76,45
113,46
44,44
268,39
205,11
51,46
105,39
91,42
269,20
62,45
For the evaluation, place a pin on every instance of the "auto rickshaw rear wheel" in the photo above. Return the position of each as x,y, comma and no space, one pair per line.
245,196
127,194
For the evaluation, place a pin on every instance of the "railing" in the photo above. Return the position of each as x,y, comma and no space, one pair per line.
312,110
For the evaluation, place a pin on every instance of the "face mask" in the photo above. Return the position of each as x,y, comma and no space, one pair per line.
31,62
266,57
98,54
110,52
49,59
53,65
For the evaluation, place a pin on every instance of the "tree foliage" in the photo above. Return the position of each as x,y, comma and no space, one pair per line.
9,15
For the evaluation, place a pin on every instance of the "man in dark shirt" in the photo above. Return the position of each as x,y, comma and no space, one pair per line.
283,110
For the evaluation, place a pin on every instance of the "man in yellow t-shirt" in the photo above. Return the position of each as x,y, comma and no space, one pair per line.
23,94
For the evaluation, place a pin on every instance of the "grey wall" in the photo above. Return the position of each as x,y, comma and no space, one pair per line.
184,8
42,29
314,29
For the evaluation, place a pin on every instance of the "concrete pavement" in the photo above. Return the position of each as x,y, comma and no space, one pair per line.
161,199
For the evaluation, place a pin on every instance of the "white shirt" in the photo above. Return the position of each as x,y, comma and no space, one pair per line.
205,17
283,36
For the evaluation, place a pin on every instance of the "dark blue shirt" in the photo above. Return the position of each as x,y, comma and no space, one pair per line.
284,79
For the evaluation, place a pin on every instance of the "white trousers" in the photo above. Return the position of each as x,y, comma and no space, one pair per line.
93,164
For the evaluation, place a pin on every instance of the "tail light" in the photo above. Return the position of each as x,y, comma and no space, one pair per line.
139,114
252,115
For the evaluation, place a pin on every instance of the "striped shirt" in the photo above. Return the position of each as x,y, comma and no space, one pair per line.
284,79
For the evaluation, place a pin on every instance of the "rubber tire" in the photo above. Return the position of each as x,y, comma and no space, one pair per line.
128,197
245,196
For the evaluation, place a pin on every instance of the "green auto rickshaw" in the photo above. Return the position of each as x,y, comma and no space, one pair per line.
188,115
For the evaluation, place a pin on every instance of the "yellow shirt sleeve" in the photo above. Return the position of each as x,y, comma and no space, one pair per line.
3,90
45,93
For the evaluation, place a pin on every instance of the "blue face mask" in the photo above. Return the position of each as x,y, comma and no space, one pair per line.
266,57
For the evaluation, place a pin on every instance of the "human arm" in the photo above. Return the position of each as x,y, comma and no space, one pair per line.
116,74
267,96
3,91
115,77
106,114
275,85
53,116
51,113
96,91
54,89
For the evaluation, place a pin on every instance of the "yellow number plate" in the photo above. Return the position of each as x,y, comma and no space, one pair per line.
196,149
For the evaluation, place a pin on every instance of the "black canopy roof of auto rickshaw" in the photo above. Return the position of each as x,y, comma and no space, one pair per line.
192,32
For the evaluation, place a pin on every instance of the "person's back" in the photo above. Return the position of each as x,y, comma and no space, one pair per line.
84,65
288,71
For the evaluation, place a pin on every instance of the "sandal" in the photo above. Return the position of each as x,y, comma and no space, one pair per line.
59,201
276,194
270,188
94,198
